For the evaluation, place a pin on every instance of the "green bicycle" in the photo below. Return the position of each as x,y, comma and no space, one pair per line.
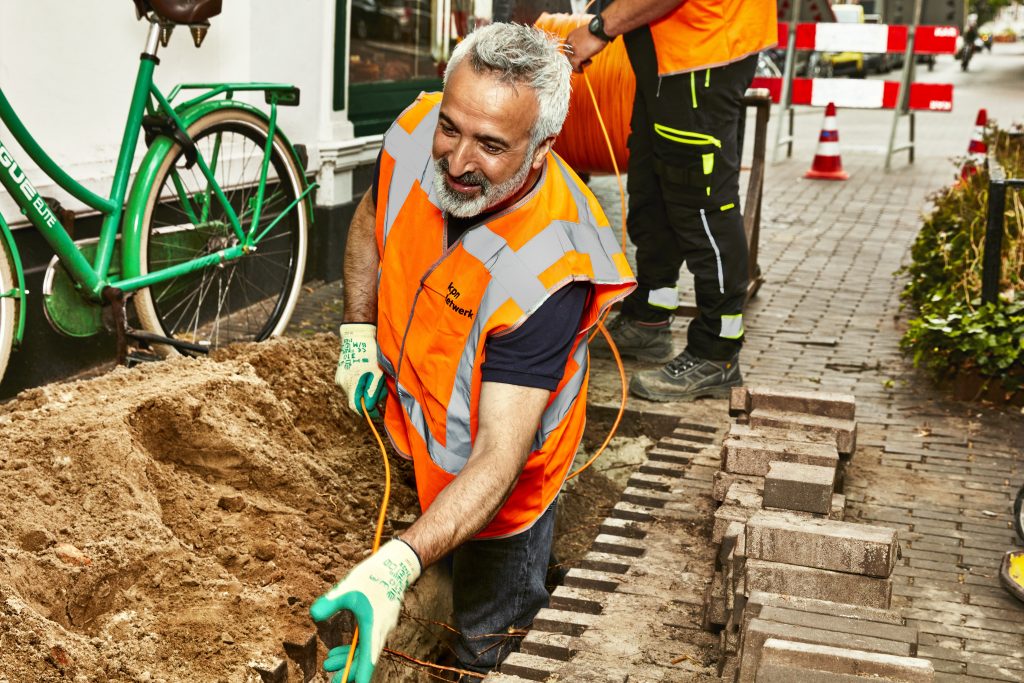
210,243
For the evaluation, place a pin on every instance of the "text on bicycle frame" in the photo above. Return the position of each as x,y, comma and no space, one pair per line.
20,179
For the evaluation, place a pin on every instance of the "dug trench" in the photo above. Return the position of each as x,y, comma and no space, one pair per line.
173,522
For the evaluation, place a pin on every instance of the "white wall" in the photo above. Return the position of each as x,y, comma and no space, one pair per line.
68,68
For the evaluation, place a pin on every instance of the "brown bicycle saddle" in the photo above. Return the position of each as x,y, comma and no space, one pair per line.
181,11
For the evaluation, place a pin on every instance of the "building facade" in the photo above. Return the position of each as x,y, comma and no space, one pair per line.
68,69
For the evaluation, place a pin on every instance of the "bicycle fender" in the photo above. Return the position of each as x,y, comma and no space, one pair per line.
19,276
135,208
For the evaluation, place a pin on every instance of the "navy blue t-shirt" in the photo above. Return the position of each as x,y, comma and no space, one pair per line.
535,354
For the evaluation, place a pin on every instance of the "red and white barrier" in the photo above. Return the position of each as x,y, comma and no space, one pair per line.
871,38
860,94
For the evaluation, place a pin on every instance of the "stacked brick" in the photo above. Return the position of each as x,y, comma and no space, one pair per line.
800,595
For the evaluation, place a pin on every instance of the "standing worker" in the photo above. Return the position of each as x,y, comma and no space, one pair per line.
473,270
693,62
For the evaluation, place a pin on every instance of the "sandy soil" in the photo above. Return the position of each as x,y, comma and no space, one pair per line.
173,522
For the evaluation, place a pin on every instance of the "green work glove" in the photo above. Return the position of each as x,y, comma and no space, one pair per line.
358,373
373,592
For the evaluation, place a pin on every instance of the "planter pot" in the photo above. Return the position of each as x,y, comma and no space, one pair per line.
969,385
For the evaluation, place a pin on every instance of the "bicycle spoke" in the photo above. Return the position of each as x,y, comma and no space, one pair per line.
241,299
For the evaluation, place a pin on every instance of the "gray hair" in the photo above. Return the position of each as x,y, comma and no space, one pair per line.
516,53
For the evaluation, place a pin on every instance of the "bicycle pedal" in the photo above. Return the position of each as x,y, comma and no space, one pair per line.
140,357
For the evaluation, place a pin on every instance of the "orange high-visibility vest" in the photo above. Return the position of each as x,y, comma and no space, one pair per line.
703,34
436,307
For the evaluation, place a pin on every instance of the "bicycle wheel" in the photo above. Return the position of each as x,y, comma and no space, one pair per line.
251,298
8,309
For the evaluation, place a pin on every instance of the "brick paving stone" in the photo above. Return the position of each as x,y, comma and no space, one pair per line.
782,661
758,631
913,424
806,488
819,584
822,544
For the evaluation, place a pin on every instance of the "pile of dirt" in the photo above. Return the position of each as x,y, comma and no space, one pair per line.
173,522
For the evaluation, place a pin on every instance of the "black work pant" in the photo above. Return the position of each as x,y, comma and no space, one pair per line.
684,158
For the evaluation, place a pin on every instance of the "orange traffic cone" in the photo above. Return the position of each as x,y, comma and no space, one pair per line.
977,150
827,164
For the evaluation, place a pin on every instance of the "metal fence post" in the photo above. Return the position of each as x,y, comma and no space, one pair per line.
903,101
785,100
991,268
995,224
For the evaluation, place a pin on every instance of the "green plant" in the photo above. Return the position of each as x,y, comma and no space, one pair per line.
954,333
986,339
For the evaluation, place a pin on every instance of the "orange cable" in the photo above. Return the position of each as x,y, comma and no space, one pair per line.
622,404
376,546
616,85
380,524
611,154
600,323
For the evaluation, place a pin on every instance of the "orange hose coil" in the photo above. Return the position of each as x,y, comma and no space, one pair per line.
614,85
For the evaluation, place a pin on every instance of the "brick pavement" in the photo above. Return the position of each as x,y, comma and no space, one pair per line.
943,473
829,317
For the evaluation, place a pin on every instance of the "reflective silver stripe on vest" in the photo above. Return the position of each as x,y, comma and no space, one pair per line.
407,149
582,205
564,400
486,246
506,266
605,235
563,236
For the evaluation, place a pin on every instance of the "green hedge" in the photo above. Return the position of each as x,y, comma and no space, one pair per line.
954,333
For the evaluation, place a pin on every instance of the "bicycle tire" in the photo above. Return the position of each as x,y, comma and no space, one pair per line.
241,309
1018,514
8,309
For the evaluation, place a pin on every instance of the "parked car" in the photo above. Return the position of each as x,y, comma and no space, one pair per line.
851,63
808,64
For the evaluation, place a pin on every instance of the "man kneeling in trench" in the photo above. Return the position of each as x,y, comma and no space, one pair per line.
474,269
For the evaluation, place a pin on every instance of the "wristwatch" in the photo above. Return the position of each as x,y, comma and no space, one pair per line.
596,27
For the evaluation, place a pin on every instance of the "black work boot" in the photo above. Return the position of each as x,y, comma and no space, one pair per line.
687,378
650,342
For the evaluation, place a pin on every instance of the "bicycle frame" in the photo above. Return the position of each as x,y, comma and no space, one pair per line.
93,278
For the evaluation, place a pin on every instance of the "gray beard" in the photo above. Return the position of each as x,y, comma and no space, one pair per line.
455,204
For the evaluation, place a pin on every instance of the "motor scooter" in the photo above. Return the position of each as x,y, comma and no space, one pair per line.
1011,573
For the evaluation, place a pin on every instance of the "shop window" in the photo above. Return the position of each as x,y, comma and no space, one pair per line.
399,48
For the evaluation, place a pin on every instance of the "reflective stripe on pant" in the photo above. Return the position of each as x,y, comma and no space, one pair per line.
684,195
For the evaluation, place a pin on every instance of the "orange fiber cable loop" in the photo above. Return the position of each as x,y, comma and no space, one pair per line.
600,323
622,403
615,85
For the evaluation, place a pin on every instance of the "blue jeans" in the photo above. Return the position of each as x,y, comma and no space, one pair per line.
497,590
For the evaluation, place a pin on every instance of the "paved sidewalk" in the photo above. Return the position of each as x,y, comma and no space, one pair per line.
944,473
